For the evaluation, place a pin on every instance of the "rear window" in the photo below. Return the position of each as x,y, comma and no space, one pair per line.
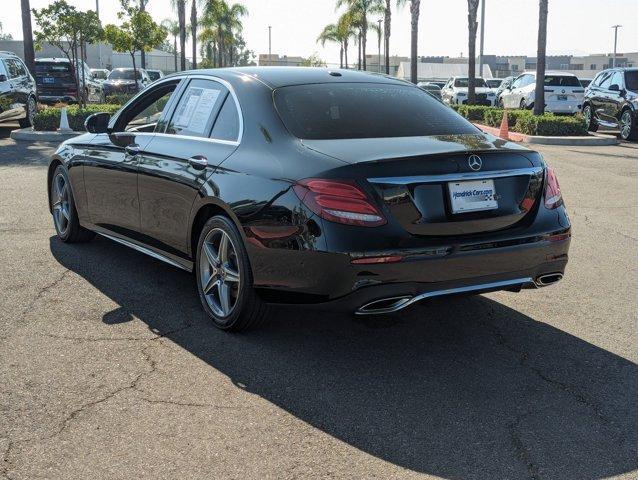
365,110
631,80
42,67
465,83
124,75
561,81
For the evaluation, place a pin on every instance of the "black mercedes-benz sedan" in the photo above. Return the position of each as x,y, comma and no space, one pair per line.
342,189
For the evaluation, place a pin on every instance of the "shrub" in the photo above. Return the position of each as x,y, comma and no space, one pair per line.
454,106
119,98
49,118
551,125
494,117
474,113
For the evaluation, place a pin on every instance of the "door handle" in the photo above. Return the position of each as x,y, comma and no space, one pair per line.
198,162
132,149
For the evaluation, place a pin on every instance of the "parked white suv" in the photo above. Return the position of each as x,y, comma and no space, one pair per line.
563,92
455,92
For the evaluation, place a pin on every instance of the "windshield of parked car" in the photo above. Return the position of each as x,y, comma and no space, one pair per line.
631,80
493,83
365,110
124,75
464,83
153,75
99,74
561,81
53,67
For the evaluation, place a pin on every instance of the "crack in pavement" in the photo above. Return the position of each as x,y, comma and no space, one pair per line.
521,450
42,291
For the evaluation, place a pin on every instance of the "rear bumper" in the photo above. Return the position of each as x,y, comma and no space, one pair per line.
564,106
52,99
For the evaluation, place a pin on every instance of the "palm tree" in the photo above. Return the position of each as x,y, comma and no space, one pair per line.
472,25
180,7
539,99
338,33
387,15
414,13
346,31
330,34
225,21
361,9
172,27
194,30
27,34
142,5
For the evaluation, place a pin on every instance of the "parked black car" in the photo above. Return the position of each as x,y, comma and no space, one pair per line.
339,188
18,96
56,83
124,80
611,100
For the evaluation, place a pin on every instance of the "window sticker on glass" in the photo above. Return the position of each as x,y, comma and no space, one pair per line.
194,113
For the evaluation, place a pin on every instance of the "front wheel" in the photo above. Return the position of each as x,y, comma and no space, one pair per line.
65,216
628,127
30,111
224,278
588,117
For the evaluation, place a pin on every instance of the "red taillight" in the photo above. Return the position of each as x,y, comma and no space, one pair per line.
553,197
340,201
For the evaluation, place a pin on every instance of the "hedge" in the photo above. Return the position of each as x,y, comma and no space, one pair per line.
474,113
494,117
119,98
49,118
551,125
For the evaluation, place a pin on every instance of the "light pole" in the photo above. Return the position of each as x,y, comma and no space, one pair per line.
379,63
269,45
99,45
482,38
613,60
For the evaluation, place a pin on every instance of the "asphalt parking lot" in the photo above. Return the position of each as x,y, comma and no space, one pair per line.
108,368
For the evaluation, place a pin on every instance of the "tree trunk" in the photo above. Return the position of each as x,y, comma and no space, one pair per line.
175,50
341,56
142,52
386,34
84,95
364,41
194,31
359,50
345,53
472,26
181,17
414,10
539,99
27,34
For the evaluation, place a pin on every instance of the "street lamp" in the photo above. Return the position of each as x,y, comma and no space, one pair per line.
482,38
379,64
269,45
613,60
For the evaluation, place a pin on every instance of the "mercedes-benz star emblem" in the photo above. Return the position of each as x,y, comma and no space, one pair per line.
475,162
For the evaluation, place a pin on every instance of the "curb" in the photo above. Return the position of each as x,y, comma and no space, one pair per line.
30,135
595,140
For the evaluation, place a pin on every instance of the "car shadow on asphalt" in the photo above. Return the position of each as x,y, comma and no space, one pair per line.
458,388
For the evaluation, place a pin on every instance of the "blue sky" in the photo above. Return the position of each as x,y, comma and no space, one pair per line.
575,26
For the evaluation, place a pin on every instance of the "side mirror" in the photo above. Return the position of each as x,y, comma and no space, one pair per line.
97,123
614,88
3,78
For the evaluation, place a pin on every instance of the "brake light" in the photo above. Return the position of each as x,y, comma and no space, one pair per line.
341,201
553,196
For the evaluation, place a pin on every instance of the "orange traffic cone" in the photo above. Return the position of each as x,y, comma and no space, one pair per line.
504,133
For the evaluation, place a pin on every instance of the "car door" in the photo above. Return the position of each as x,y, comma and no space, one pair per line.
508,95
13,103
111,163
614,97
602,98
6,94
596,94
204,129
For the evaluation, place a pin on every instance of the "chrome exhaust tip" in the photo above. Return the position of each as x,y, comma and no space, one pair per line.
548,279
384,305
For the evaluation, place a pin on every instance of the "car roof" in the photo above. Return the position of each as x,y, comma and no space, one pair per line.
275,77
52,60
6,54
554,73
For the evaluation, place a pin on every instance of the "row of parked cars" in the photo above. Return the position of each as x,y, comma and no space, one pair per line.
610,100
54,83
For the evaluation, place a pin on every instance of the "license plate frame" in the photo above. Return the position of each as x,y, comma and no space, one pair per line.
472,196
48,80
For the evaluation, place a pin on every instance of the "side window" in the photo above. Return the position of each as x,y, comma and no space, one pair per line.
517,83
22,70
144,115
3,70
605,82
617,79
197,109
12,68
227,123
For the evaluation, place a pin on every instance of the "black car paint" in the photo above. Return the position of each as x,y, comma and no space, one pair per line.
156,200
608,104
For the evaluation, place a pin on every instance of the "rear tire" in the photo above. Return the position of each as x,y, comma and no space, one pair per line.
628,126
31,108
65,216
588,116
224,278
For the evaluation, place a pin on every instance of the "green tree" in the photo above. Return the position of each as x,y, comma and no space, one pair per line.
172,28
222,27
193,29
338,33
539,100
136,34
313,61
472,26
361,9
7,36
68,29
415,6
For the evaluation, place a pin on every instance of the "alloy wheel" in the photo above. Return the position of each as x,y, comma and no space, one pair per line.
587,115
625,125
219,272
61,203
31,109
